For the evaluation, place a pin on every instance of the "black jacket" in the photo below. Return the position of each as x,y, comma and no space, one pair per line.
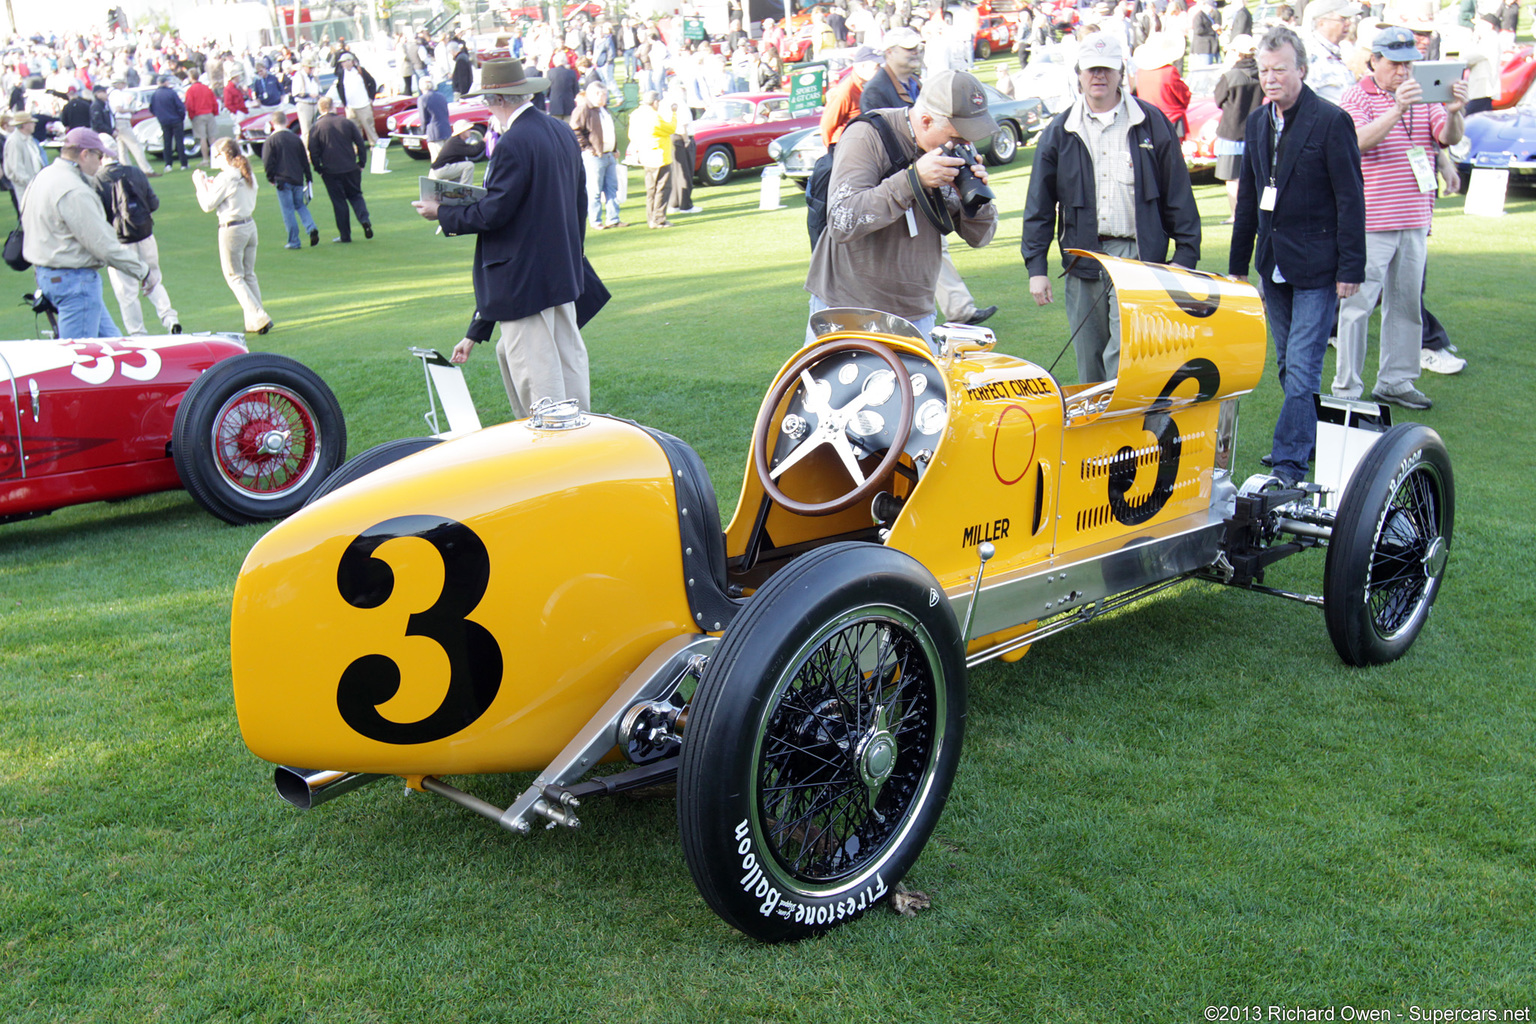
881,93
1062,196
283,159
101,117
369,85
336,145
1316,233
1237,93
76,113
562,90
459,148
530,225
463,73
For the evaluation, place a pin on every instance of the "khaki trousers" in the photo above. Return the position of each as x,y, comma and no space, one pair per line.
237,255
543,356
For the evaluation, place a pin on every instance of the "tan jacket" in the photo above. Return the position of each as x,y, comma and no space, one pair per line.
66,225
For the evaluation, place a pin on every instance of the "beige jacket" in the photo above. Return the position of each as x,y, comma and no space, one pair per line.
229,194
66,225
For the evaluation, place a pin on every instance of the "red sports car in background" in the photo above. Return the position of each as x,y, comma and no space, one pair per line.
735,131
249,435
406,124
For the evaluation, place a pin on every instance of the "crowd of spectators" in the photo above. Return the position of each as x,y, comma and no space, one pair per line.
675,73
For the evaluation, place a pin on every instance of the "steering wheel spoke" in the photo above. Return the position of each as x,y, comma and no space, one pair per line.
832,425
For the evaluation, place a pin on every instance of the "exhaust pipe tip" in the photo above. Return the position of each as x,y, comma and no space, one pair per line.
307,788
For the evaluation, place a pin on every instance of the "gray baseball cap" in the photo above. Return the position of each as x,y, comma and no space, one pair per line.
959,96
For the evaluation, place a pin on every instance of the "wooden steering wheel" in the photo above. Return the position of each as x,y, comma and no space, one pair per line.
831,427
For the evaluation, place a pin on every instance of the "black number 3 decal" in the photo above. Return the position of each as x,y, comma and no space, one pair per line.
473,655
1161,426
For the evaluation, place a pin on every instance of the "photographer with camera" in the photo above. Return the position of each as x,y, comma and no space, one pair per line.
893,197
1110,170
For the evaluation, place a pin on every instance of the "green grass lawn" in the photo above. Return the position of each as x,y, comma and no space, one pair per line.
1188,803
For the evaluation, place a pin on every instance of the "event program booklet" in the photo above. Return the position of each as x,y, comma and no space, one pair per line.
450,193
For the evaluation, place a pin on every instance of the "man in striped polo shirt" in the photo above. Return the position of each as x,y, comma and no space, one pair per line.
1399,136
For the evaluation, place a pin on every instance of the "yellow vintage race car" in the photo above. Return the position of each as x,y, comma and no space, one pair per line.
558,594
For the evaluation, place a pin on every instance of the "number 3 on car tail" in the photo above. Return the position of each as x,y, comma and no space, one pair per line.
474,657
1122,478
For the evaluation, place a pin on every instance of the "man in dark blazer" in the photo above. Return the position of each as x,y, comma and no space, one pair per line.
1302,195
338,150
529,271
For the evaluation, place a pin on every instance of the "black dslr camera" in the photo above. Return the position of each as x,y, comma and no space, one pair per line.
974,193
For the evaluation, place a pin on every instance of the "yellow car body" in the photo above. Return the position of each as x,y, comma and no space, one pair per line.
545,595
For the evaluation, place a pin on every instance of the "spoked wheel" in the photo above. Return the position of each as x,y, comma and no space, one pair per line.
822,741
1390,545
255,435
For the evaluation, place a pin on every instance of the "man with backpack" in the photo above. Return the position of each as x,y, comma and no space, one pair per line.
130,202
884,241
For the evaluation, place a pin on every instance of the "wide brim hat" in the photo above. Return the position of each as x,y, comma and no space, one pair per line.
1160,49
506,78
21,117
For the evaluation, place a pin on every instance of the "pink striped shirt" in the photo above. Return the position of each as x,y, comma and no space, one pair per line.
1393,201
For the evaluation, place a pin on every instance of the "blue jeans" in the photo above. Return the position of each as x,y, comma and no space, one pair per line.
602,188
1300,320
77,296
290,199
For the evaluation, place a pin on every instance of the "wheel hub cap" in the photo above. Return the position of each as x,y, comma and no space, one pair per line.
877,758
1435,557
275,442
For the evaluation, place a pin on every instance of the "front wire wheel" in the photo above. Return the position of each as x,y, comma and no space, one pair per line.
255,435
1390,545
822,742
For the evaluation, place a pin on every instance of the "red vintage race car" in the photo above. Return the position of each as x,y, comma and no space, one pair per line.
250,435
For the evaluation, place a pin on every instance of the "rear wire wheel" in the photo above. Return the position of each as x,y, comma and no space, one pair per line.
1390,545
822,742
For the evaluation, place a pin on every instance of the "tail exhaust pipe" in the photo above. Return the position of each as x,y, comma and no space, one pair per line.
307,787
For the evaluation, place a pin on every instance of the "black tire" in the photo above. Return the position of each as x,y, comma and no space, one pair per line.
1005,145
983,49
377,457
717,166
417,154
787,742
1391,540
255,435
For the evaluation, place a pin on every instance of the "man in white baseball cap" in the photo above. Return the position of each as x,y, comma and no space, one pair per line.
1111,172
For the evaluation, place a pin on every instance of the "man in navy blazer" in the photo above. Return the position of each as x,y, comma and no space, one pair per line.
530,224
1302,194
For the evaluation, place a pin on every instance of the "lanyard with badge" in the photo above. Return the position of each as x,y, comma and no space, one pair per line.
1418,160
1277,121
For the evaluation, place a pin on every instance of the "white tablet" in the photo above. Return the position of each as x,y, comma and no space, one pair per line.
1435,78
